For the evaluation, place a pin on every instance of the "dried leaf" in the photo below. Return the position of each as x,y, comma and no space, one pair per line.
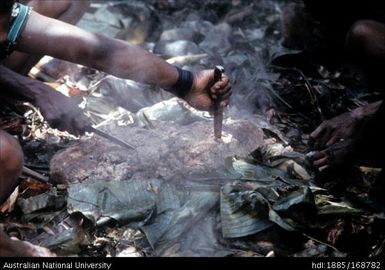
245,170
326,206
9,205
31,187
49,200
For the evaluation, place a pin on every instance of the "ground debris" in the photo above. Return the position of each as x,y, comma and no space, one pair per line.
180,193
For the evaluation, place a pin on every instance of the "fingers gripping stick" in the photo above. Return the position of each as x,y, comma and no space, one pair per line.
218,110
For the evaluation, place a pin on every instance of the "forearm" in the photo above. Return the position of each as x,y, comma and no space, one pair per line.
15,85
132,62
45,36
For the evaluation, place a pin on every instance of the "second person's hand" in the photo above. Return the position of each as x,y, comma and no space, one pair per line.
59,111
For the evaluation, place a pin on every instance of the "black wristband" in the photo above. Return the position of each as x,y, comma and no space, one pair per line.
183,86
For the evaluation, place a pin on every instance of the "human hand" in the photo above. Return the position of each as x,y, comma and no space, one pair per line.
205,92
337,139
59,111
345,126
342,127
342,153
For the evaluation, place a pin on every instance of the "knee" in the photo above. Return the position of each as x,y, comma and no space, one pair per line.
56,9
11,163
78,6
11,154
361,30
71,11
360,36
84,4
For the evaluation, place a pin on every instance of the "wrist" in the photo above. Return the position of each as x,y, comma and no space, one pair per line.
184,83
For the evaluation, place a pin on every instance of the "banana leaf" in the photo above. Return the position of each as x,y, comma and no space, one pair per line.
124,202
245,170
240,219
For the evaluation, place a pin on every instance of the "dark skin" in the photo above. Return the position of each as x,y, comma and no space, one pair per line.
43,35
67,116
11,160
16,86
46,36
64,10
339,139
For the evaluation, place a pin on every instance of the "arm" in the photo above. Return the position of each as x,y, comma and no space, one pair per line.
17,86
46,36
60,111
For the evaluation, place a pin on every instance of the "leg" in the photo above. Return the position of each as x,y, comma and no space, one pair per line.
65,10
11,163
68,11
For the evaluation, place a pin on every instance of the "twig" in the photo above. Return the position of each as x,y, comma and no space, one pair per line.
309,87
35,175
320,242
312,93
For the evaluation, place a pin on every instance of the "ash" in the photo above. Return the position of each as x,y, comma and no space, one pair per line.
166,151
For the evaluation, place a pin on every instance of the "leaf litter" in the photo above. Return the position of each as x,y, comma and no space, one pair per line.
267,190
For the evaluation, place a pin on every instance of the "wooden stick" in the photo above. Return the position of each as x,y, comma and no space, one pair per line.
35,175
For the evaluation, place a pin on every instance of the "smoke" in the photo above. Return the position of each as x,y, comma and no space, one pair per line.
175,144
